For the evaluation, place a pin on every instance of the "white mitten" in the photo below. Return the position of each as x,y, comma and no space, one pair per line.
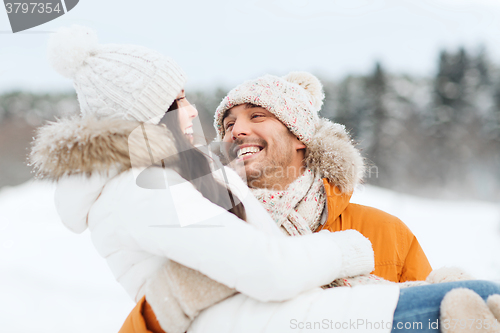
464,311
494,305
448,274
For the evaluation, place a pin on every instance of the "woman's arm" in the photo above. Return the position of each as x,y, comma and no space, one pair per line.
225,248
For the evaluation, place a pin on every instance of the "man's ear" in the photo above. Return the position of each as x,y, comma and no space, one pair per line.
300,145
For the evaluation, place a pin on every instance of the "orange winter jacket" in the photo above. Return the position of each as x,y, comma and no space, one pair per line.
141,320
398,255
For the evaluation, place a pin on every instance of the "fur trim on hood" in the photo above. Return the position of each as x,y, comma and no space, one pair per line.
79,145
332,153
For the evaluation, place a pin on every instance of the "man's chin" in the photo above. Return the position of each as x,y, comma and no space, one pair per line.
251,174
248,170
244,170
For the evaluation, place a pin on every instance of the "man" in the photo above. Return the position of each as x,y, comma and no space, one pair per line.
303,169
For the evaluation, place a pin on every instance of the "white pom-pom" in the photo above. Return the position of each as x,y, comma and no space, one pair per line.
69,47
311,84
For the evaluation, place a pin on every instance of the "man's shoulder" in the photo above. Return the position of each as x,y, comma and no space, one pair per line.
374,217
398,255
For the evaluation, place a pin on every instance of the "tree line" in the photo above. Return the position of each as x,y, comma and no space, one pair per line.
427,135
433,136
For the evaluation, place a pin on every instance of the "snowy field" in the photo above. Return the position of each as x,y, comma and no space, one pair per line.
52,280
464,234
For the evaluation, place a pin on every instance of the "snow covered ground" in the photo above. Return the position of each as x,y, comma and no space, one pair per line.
464,234
52,280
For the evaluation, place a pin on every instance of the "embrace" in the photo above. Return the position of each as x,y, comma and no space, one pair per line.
268,243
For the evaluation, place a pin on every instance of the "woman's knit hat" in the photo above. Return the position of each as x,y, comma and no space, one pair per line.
128,81
294,99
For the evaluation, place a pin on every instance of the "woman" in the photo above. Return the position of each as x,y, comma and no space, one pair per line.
124,177
134,184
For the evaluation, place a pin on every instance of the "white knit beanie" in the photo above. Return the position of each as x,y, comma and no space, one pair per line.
294,99
127,81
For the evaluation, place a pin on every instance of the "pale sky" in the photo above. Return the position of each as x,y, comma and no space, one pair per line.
222,42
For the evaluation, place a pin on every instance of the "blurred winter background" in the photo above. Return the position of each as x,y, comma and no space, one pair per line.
417,83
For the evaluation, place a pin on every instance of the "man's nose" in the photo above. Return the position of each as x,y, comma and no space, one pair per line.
240,129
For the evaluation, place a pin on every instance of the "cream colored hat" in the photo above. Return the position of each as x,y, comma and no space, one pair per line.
127,81
294,99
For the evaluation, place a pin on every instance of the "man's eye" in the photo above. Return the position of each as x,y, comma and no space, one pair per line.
256,115
229,126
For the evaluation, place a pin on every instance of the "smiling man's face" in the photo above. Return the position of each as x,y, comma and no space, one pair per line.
272,155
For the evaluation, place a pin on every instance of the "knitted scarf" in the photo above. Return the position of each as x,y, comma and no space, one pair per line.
297,209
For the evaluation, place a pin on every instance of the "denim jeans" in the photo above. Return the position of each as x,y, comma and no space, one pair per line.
418,307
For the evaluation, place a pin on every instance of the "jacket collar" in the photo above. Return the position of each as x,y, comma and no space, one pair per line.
85,146
336,201
334,155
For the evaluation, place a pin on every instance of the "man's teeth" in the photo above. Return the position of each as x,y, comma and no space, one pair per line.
248,151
